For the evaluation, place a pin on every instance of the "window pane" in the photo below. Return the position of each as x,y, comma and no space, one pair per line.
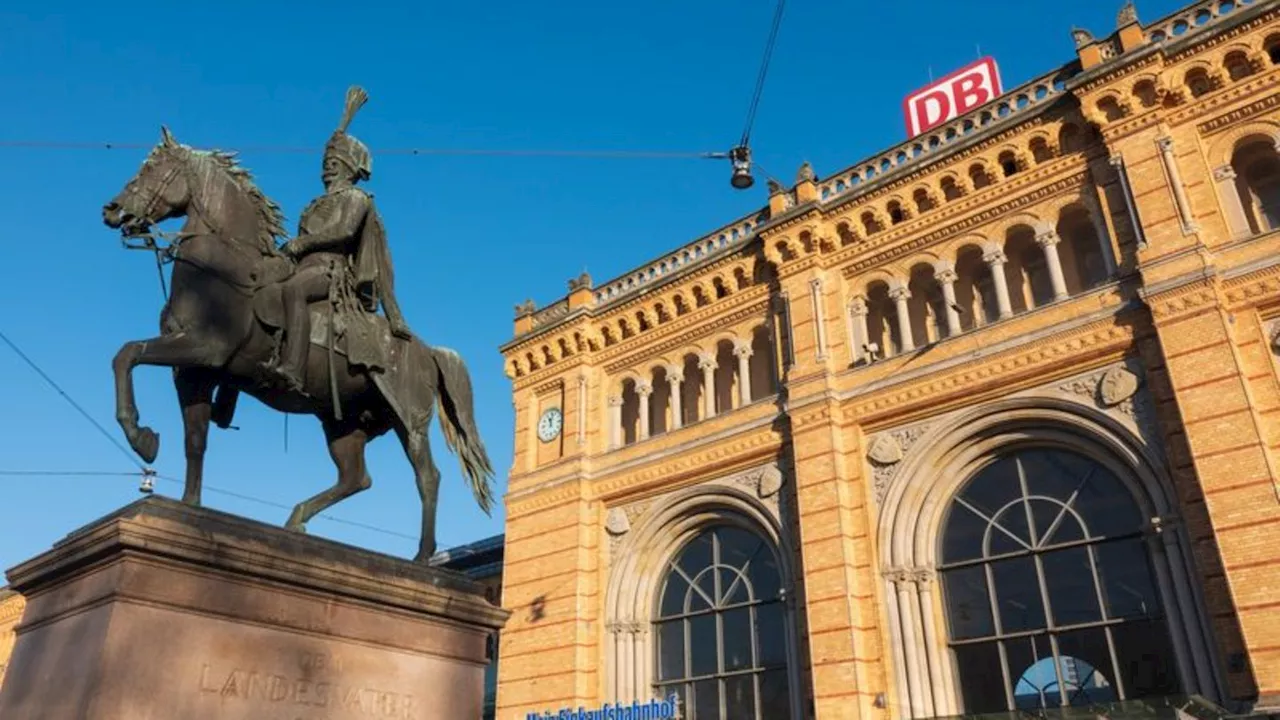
962,539
734,587
1087,672
704,591
673,595
1055,524
968,605
1010,533
681,691
771,634
1017,590
981,680
671,650
1126,579
737,546
1073,596
993,487
1107,507
1146,659
706,700
696,556
740,697
775,697
1035,684
1056,474
766,581
736,626
702,645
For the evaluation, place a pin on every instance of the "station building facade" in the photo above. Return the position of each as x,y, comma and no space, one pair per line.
987,421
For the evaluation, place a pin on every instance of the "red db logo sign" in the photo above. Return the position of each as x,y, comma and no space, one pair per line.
952,96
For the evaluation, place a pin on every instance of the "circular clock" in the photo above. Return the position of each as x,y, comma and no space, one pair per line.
549,424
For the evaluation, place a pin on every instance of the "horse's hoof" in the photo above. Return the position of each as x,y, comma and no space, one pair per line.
147,444
295,524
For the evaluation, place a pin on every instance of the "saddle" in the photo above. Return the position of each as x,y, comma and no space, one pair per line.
363,337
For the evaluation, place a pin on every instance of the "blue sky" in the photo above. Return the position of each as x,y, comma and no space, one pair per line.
471,236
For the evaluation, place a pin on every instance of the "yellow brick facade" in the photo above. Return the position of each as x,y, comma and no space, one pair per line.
1090,264
11,607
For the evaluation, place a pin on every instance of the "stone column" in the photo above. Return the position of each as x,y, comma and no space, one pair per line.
1048,239
908,608
743,352
945,274
644,390
1117,162
924,582
674,378
1096,216
819,317
900,294
1170,162
615,421
708,367
858,311
1224,178
995,259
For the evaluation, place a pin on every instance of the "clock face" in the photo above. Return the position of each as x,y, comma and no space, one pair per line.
549,424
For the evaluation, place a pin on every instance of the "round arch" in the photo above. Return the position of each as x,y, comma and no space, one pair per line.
912,514
636,574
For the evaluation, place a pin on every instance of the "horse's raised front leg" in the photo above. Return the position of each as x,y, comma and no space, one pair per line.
178,351
195,397
346,447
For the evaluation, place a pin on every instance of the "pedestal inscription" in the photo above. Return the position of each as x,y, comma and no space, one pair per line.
163,611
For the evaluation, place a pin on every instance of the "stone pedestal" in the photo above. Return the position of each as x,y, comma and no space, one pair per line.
162,611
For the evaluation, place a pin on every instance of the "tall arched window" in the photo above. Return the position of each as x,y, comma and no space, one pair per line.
720,626
1050,596
1257,167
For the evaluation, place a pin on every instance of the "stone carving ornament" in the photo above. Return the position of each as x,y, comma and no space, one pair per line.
295,325
886,453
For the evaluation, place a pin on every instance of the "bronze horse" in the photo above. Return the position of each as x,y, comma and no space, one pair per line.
217,335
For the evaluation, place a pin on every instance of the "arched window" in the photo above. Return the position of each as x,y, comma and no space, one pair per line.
1257,166
720,627
1050,596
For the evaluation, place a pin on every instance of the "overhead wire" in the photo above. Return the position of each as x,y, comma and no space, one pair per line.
143,470
403,151
763,73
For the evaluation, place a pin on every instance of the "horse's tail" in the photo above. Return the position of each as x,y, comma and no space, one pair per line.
457,421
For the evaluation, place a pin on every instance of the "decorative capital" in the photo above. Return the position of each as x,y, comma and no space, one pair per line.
858,305
1048,237
706,363
946,275
742,349
644,389
675,376
896,575
1116,161
615,401
995,256
1165,144
1223,173
899,292
921,575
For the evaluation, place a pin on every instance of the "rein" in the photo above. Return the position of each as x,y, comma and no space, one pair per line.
164,254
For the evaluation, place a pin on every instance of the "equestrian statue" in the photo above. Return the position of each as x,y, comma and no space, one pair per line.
295,325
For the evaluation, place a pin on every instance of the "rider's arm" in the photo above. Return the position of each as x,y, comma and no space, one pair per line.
342,225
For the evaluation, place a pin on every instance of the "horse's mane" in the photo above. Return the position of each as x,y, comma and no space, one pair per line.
270,213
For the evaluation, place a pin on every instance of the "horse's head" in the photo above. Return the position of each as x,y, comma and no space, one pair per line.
160,190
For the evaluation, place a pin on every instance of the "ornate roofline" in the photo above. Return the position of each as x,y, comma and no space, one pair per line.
1169,34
